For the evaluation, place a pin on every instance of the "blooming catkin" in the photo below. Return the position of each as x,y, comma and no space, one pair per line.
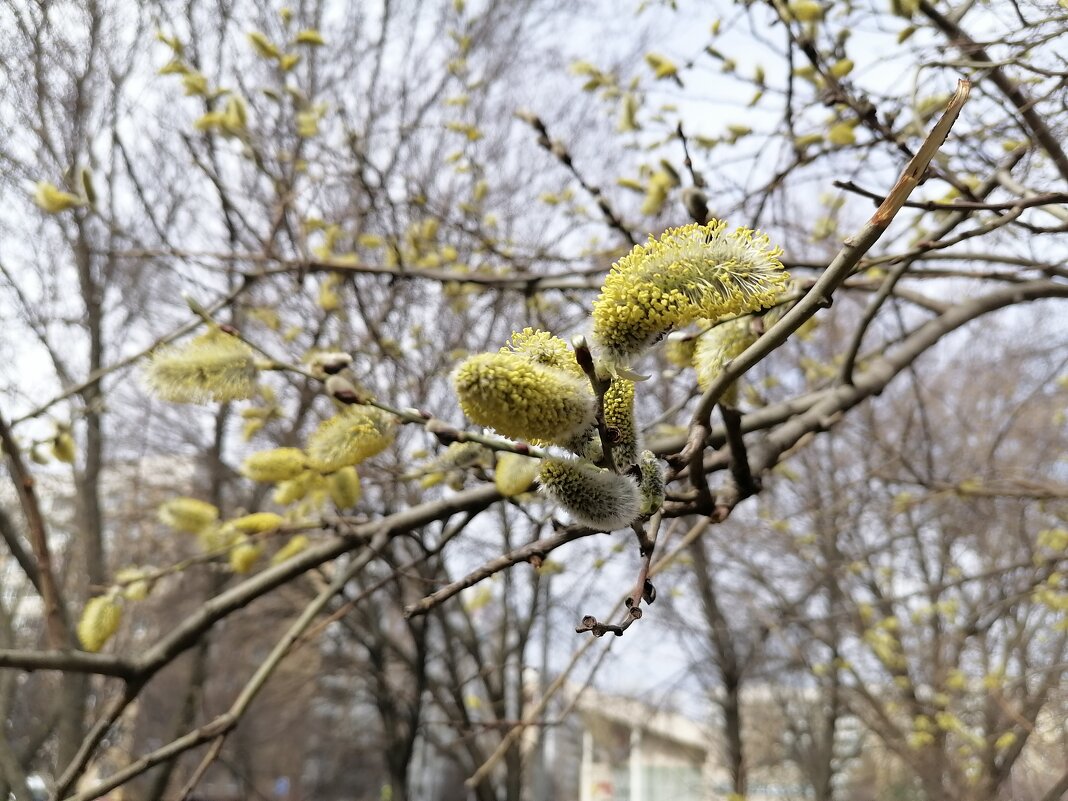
619,419
349,437
522,399
99,621
716,347
690,272
215,366
543,348
188,514
594,497
278,464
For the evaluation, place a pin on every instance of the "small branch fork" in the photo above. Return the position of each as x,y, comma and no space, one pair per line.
643,587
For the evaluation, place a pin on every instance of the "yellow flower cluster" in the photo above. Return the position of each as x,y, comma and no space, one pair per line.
357,433
619,419
717,346
523,399
213,367
690,272
543,348
594,497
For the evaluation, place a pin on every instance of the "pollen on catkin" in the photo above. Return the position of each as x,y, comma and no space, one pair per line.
522,399
278,464
593,497
689,272
215,366
188,514
619,419
99,621
716,347
543,348
349,437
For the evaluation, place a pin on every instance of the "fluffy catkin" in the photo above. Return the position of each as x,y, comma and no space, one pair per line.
689,272
594,497
523,399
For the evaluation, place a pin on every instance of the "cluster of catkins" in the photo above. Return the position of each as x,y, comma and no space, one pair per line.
534,388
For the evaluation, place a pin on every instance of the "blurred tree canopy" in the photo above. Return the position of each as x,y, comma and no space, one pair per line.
360,357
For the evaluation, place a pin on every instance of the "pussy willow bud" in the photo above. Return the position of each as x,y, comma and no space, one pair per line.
213,367
296,489
244,555
522,399
344,488
341,389
514,474
716,347
291,549
53,200
99,621
651,486
690,272
593,497
619,419
257,523
354,434
188,514
279,464
696,204
330,363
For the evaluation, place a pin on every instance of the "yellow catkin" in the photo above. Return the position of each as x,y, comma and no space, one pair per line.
257,523
523,399
290,549
99,621
688,273
213,367
188,514
279,464
244,555
716,347
543,348
344,488
619,419
514,473
349,437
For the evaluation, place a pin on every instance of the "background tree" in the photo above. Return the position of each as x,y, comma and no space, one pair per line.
356,198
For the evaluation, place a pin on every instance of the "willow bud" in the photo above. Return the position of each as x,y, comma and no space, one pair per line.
99,621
